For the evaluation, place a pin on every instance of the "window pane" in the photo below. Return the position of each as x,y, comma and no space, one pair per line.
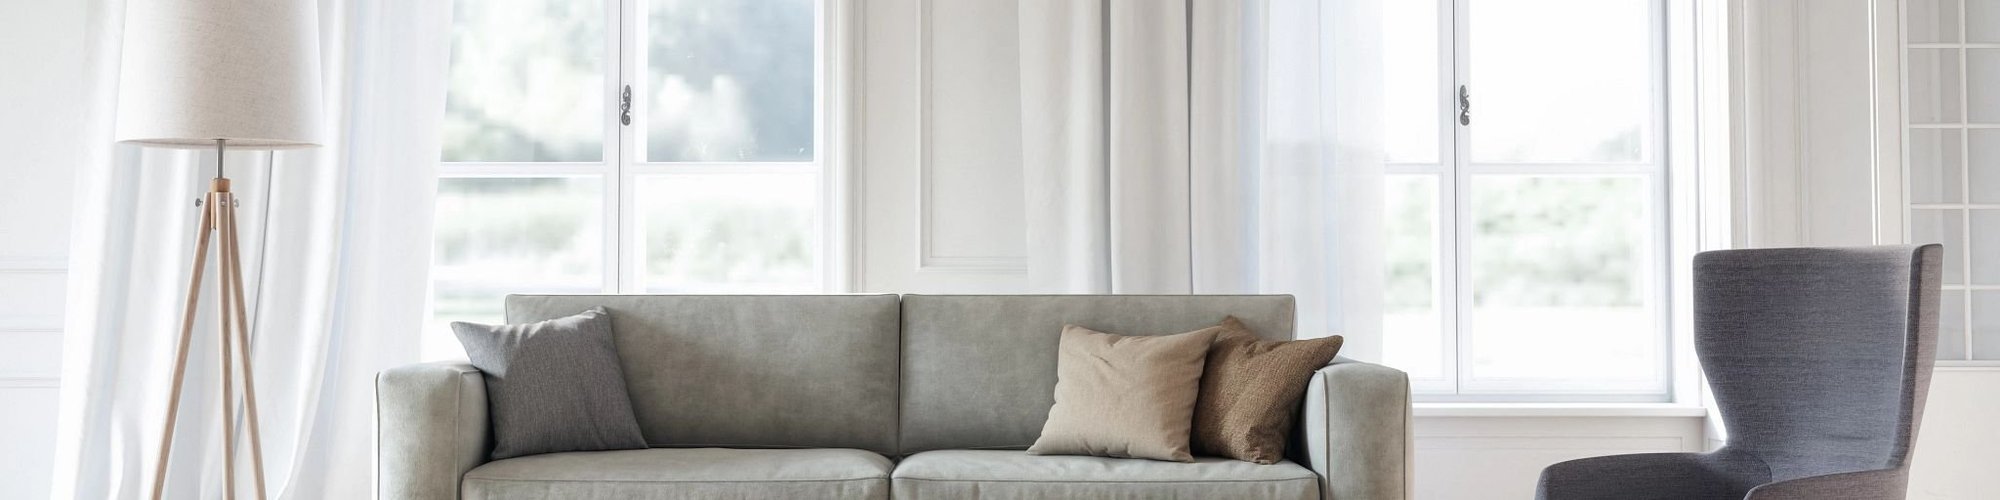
1983,183
1945,227
1935,166
1982,75
1934,79
729,232
1562,266
497,236
1410,81
1412,318
1985,325
527,81
1983,247
1931,21
1951,326
1982,21
1562,80
729,81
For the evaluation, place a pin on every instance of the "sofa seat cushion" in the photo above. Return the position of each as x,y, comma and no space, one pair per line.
676,473
1000,475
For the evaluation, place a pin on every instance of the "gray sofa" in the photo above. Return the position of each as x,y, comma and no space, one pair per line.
874,396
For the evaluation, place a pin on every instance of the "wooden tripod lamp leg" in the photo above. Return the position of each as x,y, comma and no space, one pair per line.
233,275
223,201
218,220
181,353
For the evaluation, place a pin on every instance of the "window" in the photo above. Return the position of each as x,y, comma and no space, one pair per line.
714,181
1952,137
1527,244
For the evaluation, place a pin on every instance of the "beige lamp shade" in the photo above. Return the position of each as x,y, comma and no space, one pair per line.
194,71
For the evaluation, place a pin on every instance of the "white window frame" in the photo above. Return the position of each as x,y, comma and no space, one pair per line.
623,161
1898,205
1669,165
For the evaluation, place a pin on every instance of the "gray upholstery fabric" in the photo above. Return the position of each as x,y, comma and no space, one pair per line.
979,371
751,371
1356,431
684,473
1819,358
1006,474
553,385
430,427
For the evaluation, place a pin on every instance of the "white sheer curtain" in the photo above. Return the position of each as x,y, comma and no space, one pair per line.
1211,146
1104,145
336,250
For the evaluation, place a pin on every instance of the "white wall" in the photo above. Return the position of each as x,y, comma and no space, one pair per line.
1500,457
42,47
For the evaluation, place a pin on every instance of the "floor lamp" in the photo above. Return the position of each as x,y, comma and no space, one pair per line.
219,74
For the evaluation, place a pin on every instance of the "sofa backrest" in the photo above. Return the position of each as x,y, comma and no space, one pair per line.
979,371
751,371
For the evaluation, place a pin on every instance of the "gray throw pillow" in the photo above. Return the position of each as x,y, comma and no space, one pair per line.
553,385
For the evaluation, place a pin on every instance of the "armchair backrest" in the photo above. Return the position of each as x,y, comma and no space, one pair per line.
1819,357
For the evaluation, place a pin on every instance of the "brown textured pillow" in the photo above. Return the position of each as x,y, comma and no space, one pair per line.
1124,396
1250,392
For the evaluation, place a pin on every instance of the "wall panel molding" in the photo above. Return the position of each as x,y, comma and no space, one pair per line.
943,212
930,258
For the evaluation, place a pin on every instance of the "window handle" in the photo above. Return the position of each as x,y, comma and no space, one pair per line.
625,106
1464,106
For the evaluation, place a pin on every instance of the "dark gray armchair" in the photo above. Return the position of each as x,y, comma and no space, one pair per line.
1819,359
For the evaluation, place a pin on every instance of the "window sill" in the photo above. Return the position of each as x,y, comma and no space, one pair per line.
1423,410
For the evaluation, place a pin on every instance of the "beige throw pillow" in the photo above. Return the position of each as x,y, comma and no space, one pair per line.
1250,392
1124,396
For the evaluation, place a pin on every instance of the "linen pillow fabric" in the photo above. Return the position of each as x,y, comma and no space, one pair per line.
1250,392
1124,396
553,385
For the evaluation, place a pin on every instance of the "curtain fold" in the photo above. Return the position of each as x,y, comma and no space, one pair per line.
1208,146
1147,45
1317,148
336,246
1066,173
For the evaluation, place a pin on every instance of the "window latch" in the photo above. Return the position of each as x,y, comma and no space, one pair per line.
1464,106
625,106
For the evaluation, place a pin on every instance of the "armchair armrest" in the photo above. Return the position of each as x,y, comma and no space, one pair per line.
1661,476
1356,428
1881,483
430,428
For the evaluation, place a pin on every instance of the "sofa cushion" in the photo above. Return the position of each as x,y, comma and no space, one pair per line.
1001,475
684,473
1250,392
979,371
750,371
553,385
1127,396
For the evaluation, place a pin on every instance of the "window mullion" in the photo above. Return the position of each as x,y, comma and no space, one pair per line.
1457,243
623,149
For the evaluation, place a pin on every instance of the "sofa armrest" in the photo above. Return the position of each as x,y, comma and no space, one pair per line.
430,428
1356,428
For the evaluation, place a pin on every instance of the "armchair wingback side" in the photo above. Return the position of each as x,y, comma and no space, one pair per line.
1819,359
